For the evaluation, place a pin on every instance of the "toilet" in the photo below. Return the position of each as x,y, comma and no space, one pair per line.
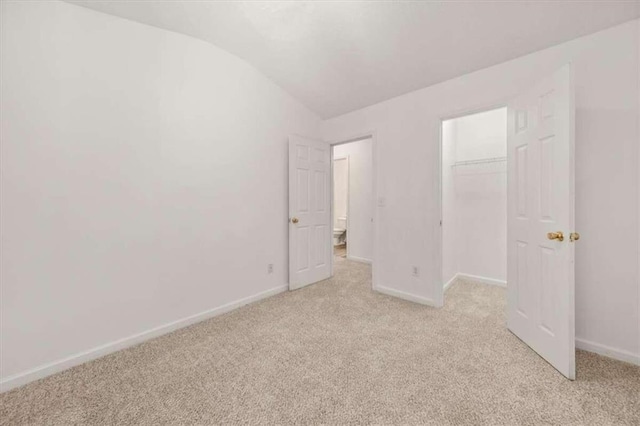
340,231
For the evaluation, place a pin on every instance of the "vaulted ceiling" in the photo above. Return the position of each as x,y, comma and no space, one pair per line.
337,56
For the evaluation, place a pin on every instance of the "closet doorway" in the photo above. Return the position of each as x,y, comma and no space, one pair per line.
474,198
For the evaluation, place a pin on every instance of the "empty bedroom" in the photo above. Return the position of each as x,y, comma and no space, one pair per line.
319,212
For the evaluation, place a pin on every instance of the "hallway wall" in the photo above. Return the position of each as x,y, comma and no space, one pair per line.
340,189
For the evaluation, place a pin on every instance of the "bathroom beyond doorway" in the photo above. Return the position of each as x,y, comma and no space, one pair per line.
353,201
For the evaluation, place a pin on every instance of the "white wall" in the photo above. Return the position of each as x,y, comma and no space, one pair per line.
474,196
340,190
144,181
407,132
360,211
450,264
482,135
638,173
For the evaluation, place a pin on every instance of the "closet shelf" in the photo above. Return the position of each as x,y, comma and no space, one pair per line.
481,161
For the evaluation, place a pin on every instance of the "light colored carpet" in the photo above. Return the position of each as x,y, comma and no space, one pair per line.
336,353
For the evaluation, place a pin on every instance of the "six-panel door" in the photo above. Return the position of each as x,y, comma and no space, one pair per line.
309,211
540,271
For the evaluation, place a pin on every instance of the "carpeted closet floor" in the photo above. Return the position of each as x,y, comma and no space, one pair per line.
336,353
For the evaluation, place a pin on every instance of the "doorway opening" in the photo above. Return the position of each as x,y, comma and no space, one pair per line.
352,202
474,198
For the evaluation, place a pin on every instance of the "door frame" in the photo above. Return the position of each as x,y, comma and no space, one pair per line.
458,113
374,148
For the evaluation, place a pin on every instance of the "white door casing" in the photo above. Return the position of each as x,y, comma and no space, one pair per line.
541,194
310,229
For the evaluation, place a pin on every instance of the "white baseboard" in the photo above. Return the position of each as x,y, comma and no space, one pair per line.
450,282
481,280
20,379
406,296
359,259
619,354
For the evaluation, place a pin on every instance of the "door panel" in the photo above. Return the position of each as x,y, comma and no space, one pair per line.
541,201
309,208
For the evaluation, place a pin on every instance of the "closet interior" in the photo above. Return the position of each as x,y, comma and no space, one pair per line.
474,198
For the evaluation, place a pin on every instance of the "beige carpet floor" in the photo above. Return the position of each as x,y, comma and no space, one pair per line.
337,353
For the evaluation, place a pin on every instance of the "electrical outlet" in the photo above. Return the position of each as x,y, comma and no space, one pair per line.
415,271
270,268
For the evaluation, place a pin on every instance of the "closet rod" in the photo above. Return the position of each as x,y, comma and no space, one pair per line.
482,161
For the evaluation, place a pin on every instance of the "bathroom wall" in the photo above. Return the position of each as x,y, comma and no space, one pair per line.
360,211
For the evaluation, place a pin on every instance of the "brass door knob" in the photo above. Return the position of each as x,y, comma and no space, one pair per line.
574,236
556,236
294,220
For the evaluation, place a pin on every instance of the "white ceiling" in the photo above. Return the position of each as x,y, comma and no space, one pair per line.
336,57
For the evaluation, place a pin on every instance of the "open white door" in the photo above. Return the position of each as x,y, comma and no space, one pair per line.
540,272
309,211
